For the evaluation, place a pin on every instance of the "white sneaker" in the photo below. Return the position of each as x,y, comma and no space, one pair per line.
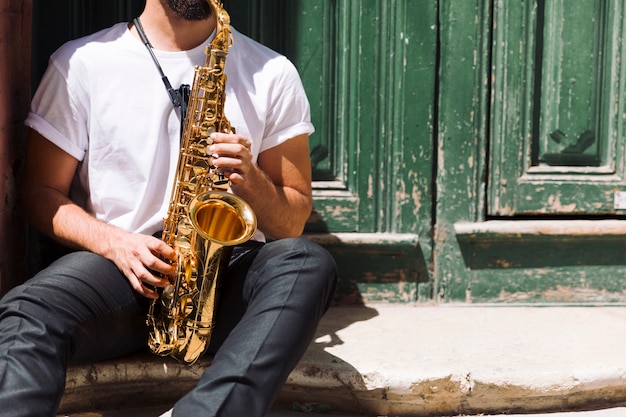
168,413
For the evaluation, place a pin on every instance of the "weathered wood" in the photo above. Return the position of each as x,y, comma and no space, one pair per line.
557,132
15,25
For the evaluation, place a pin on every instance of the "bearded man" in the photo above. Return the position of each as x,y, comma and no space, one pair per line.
100,163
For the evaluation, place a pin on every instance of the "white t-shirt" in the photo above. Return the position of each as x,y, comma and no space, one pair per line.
102,101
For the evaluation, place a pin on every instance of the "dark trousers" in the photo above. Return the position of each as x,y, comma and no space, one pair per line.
82,309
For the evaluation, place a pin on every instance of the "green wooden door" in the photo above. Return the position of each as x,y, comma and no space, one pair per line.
557,116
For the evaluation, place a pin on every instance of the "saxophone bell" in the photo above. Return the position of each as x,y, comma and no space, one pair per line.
222,217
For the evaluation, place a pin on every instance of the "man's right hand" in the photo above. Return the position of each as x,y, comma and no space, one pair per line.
141,258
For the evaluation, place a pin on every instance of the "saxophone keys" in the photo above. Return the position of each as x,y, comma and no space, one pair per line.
167,296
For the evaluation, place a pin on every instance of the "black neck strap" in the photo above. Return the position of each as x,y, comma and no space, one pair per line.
179,97
175,95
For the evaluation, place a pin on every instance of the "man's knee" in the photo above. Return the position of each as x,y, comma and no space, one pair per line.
314,262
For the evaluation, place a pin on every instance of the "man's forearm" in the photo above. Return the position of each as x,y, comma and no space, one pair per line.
61,219
281,211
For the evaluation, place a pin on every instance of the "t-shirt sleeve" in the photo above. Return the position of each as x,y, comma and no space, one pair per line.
289,113
56,113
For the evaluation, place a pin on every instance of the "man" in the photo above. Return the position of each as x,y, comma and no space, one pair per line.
101,157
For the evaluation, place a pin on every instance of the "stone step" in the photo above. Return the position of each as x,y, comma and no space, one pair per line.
414,360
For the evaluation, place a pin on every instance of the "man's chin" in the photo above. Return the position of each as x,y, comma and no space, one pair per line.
193,10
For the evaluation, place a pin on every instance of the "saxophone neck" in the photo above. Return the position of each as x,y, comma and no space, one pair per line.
223,37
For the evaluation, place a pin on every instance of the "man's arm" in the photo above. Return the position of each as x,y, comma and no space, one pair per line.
45,190
278,187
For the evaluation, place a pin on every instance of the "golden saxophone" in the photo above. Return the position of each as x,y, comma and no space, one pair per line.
204,221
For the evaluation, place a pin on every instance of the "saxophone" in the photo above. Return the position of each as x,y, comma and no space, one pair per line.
203,221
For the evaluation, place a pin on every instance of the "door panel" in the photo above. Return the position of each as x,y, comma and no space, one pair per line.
557,131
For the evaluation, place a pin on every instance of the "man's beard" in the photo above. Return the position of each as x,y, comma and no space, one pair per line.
190,9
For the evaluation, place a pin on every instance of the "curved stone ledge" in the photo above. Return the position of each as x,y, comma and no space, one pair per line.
140,378
413,361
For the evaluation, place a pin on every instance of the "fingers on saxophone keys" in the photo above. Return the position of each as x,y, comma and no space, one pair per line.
140,287
212,158
150,277
148,293
156,280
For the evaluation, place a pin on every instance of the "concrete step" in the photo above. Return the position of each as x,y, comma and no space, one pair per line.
159,410
405,360
154,412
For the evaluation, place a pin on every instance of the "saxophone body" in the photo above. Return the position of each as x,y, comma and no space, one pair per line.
204,221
